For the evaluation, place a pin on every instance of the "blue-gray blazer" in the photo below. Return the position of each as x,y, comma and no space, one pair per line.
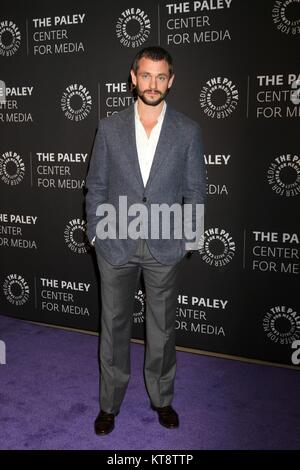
177,176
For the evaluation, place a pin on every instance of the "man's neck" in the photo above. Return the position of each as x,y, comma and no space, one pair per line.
147,112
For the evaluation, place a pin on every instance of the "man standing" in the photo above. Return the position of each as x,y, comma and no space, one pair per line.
148,154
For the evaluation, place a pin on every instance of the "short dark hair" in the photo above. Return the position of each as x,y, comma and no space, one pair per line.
153,53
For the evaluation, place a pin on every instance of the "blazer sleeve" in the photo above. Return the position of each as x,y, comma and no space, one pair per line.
194,186
96,181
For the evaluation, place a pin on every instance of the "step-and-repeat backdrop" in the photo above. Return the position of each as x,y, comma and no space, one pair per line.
63,66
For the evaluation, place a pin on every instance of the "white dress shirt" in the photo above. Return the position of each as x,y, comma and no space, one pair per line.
145,145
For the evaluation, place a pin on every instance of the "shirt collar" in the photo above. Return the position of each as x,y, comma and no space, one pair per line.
160,117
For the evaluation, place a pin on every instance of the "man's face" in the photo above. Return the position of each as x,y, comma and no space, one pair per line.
152,80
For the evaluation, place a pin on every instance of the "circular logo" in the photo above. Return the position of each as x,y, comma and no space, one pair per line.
216,247
75,236
133,27
76,102
282,324
286,16
284,175
12,168
10,38
139,307
16,289
219,97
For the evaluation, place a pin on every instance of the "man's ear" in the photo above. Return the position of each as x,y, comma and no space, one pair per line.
171,81
133,77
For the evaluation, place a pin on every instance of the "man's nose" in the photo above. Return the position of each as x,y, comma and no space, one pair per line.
153,82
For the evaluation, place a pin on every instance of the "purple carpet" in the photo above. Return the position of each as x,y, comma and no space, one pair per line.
49,398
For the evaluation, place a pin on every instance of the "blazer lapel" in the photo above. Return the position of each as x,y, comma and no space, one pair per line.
162,151
129,134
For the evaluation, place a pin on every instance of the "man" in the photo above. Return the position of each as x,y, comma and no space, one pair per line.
152,155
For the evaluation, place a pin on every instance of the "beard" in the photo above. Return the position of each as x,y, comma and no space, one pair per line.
151,102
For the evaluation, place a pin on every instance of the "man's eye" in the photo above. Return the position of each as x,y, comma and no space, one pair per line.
162,79
144,75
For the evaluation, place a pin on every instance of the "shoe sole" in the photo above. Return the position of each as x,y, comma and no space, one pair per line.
170,426
101,433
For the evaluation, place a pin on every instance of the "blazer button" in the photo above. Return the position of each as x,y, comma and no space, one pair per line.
144,199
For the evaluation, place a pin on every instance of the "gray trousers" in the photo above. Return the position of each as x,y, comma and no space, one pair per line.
118,287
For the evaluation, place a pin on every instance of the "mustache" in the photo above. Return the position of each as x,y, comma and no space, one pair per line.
151,91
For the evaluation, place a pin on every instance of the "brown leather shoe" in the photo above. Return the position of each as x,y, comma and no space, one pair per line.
104,423
167,416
